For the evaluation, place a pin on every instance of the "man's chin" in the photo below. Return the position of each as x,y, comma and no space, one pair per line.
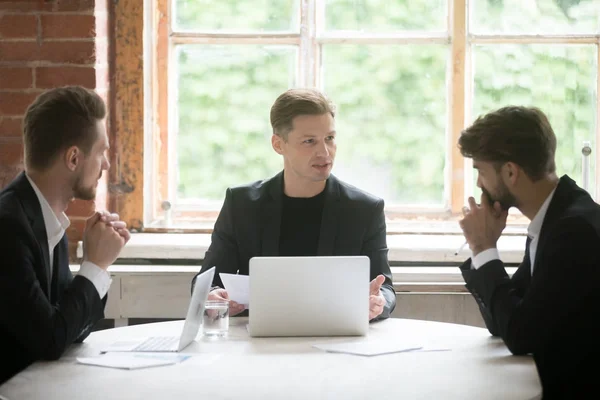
321,177
85,194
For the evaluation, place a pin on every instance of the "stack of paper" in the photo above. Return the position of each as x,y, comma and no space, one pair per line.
132,360
238,287
371,347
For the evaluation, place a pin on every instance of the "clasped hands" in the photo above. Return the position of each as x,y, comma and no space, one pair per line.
482,224
103,238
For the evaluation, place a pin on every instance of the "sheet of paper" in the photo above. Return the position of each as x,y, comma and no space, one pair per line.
132,360
238,287
368,347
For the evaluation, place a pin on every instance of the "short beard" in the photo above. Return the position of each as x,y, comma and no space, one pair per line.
504,197
82,193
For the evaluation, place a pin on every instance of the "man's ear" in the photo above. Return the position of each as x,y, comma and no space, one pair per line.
511,173
73,157
276,142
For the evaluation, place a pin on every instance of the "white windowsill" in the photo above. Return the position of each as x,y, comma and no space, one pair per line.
431,249
402,248
407,277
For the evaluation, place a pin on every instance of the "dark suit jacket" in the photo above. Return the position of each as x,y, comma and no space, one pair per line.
39,319
551,314
353,223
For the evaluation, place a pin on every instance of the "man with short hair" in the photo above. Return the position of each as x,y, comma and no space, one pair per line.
548,307
43,309
303,210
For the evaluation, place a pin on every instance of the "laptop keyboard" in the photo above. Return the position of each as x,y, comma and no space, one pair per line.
159,343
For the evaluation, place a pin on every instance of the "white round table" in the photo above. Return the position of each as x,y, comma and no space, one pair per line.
476,366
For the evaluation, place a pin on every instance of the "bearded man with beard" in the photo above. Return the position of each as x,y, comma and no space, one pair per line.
43,309
549,305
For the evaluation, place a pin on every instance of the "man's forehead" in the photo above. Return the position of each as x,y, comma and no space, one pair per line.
313,132
479,164
102,138
312,120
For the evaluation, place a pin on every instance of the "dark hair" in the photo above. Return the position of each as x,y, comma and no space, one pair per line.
58,119
295,102
522,135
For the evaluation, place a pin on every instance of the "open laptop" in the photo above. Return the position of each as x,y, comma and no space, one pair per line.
193,320
309,296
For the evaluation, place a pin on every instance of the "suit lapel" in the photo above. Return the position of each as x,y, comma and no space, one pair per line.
329,220
33,210
271,217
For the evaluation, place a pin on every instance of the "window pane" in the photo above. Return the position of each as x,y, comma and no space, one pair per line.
225,94
391,118
236,15
560,80
540,16
386,15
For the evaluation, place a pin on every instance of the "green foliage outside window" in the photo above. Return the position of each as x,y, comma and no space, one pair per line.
392,99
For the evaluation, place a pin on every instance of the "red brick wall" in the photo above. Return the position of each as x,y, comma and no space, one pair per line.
45,44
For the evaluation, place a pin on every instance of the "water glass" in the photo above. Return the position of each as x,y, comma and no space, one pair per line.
215,320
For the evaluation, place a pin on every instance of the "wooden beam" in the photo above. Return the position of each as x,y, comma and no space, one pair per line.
160,129
126,179
458,30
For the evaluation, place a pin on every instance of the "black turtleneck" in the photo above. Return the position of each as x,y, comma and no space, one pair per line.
300,225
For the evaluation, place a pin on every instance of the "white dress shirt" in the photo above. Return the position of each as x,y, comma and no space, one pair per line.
533,231
56,225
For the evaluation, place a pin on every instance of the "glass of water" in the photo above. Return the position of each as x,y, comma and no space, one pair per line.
215,320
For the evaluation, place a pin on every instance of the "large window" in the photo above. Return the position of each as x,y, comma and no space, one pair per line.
406,75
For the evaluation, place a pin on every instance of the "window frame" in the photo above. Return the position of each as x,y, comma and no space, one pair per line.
143,209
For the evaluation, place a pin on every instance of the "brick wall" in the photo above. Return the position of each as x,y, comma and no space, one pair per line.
45,44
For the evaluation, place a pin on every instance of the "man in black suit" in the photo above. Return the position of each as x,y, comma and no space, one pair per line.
303,210
43,309
549,306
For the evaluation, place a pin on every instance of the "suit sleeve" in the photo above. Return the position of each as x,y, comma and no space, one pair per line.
517,279
565,276
86,332
25,312
223,252
375,247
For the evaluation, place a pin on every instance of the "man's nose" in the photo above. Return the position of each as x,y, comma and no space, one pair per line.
322,149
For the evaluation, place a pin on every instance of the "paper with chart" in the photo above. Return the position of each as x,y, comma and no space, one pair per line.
238,287
368,347
132,360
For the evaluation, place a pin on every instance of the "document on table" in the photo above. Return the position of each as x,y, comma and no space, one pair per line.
238,287
132,360
368,347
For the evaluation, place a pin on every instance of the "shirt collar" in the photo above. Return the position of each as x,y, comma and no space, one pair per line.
56,225
535,226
